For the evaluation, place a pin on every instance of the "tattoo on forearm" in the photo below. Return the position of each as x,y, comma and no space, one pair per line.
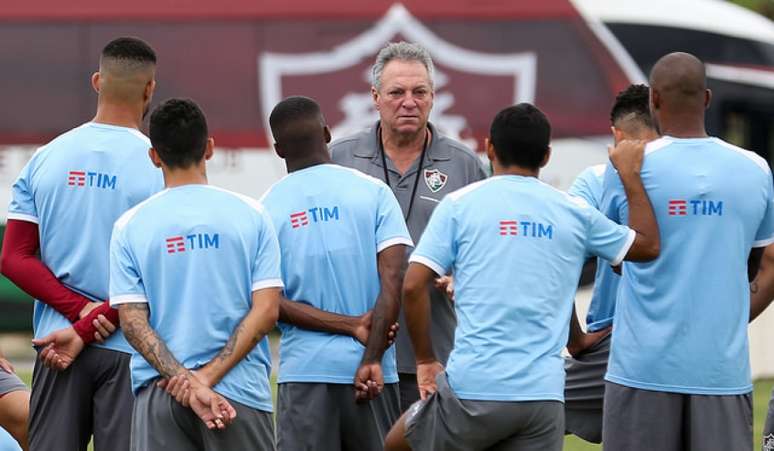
228,350
134,322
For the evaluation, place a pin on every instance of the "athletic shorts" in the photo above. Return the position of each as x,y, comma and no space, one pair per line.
92,397
10,383
644,420
159,423
584,391
443,422
325,417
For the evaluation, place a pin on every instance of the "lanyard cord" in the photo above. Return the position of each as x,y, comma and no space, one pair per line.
419,169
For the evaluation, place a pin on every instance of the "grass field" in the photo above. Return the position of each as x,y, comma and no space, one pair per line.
760,403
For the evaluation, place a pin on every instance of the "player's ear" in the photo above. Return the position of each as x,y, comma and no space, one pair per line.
327,133
490,152
149,88
375,96
707,98
209,150
278,149
546,157
618,135
154,157
95,81
655,99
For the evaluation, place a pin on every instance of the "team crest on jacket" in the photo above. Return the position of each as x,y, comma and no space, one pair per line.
768,443
435,179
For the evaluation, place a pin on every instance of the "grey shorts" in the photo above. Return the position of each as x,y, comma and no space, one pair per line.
325,417
160,423
768,428
10,383
644,420
93,396
443,422
584,391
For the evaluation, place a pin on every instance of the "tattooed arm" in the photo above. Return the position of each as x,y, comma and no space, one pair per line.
261,319
369,379
138,332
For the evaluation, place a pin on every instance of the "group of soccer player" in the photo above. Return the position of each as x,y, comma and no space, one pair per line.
108,228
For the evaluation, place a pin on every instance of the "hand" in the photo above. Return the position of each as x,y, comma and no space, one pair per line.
362,329
87,309
426,374
587,340
209,406
446,284
369,381
59,349
5,365
104,328
627,156
179,386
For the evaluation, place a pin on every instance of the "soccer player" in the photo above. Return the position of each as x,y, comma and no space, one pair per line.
761,295
64,204
585,383
679,370
343,242
195,274
14,403
516,247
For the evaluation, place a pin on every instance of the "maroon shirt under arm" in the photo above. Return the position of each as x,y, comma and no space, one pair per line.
20,263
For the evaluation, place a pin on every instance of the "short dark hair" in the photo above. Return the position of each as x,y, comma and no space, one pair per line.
130,49
178,132
520,135
633,100
287,118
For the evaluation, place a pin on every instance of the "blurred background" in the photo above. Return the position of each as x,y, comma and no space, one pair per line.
237,58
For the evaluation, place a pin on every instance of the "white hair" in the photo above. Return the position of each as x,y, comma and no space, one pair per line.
404,51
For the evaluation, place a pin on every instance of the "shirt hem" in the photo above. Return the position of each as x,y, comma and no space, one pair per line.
625,249
128,299
499,397
267,283
393,242
679,388
23,217
391,379
763,243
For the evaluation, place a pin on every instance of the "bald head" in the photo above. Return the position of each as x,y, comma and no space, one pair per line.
127,69
679,78
298,127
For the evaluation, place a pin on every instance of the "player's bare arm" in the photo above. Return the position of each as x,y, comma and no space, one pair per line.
305,316
416,305
762,287
211,408
579,341
627,158
369,380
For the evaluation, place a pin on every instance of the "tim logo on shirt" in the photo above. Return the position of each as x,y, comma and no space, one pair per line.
317,214
529,229
179,244
91,179
696,207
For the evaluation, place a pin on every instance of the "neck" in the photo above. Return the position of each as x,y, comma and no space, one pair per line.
514,170
317,158
683,126
194,175
404,143
118,114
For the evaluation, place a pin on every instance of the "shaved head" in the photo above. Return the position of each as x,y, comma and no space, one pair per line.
126,67
680,80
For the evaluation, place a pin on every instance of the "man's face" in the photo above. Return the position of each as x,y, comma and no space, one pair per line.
405,98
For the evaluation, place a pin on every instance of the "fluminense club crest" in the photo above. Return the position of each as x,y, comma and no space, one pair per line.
435,179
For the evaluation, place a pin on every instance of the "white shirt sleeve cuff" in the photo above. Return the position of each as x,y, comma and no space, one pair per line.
438,269
128,299
394,241
625,249
763,243
23,217
267,283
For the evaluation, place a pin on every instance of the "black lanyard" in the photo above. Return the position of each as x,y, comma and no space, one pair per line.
419,169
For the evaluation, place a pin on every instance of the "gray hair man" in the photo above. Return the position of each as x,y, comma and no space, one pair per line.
419,164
